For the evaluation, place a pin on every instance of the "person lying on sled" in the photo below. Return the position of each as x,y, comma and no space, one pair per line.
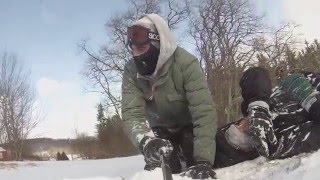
277,123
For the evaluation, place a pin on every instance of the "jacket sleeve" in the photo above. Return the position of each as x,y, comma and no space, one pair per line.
133,110
202,109
313,78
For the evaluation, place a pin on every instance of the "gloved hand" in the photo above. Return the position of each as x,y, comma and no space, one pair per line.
297,85
152,148
260,127
200,171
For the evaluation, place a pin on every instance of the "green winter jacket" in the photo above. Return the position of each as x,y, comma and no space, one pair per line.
175,95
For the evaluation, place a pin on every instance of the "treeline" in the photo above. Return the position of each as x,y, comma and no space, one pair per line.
111,135
306,59
110,140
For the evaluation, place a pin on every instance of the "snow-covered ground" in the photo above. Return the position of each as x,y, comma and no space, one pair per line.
305,166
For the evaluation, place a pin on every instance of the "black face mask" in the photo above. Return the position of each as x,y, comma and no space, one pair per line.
146,63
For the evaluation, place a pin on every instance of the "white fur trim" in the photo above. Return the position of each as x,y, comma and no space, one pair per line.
258,103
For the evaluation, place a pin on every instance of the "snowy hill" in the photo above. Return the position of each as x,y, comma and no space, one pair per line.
306,166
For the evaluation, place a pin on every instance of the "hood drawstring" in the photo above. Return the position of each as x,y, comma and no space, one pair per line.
153,87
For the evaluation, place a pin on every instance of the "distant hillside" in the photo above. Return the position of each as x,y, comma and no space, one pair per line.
48,144
48,147
52,146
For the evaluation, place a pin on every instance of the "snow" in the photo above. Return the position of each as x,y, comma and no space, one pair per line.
304,166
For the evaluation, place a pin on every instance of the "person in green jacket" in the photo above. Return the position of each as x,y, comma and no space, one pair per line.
167,107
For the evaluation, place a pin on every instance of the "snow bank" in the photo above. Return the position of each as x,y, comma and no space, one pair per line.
305,166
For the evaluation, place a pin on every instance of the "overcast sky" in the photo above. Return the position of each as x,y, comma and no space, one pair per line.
44,34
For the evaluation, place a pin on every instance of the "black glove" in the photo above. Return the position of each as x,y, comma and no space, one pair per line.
200,171
152,148
260,128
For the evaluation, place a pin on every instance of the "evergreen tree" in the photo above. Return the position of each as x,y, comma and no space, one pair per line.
309,58
64,157
100,116
58,158
111,136
102,123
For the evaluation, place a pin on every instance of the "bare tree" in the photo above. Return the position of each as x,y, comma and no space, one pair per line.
105,68
224,32
273,48
17,110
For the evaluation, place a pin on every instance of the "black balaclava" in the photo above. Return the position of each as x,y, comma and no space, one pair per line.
146,63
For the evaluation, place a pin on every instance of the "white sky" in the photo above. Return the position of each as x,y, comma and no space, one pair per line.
44,34
67,108
307,14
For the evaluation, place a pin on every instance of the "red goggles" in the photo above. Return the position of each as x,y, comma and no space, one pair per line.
139,36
